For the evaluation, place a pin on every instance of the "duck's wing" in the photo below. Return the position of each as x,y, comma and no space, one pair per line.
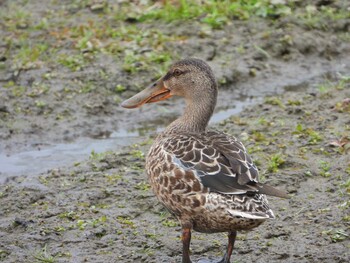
220,161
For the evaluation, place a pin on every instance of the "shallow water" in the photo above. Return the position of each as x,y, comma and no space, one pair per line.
58,155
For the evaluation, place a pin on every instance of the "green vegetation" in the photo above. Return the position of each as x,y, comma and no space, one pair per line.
294,102
120,88
143,186
324,169
329,85
336,235
170,223
119,37
28,56
276,161
346,187
258,136
16,17
3,254
94,156
125,221
274,101
44,256
138,154
316,18
313,136
216,13
40,103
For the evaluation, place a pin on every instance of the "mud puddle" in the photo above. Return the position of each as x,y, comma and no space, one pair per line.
59,155
51,156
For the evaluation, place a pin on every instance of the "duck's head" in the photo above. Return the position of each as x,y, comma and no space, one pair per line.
190,78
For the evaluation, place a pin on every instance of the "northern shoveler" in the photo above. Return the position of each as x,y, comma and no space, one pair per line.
205,178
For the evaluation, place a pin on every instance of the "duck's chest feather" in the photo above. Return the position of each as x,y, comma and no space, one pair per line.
196,181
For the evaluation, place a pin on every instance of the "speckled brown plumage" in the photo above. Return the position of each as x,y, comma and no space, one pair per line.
177,166
205,178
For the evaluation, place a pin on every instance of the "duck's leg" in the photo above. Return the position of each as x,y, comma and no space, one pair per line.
186,240
231,242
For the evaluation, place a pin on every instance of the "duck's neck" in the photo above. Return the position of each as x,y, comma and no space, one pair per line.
196,116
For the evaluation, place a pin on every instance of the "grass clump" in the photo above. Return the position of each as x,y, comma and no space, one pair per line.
126,222
313,136
319,17
73,62
170,223
44,256
324,169
275,162
28,55
216,13
15,17
336,235
274,101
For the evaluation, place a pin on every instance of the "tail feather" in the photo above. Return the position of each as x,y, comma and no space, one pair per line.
269,190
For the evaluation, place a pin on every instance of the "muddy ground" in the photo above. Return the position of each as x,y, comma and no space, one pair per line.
66,66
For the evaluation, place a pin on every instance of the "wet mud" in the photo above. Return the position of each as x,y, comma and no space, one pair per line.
293,81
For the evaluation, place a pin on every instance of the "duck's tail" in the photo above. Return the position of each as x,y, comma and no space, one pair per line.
269,190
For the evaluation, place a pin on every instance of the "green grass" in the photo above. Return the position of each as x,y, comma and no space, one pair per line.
274,101
114,34
16,90
219,13
324,169
16,17
258,136
143,186
119,88
336,235
329,86
44,256
29,54
126,221
318,18
215,13
170,223
294,102
275,162
135,62
73,62
311,135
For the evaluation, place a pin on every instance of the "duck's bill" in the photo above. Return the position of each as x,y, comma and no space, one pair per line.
155,92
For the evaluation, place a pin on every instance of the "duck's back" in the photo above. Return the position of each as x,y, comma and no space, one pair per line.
208,179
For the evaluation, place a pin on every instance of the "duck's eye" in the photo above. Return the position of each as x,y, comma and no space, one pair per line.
177,72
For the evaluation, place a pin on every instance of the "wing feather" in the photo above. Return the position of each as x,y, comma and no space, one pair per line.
220,161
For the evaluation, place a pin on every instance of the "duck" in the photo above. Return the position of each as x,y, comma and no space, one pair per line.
204,177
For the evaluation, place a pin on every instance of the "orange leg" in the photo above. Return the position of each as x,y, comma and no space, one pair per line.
231,243
186,240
